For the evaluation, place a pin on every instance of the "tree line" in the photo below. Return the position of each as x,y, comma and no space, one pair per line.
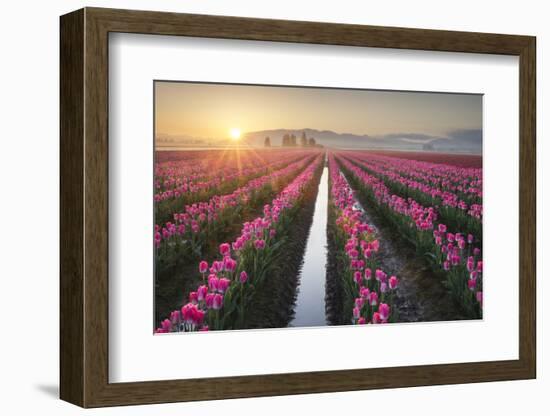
290,140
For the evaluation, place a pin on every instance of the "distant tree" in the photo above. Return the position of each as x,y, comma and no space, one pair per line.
303,139
267,142
312,142
286,140
292,140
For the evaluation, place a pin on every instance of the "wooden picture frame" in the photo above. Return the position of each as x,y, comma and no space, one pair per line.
84,207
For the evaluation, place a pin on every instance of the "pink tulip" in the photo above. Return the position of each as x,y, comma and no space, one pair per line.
259,244
358,277
223,284
479,297
187,312
446,265
225,249
201,292
193,297
368,274
175,316
359,302
243,277
209,300
356,312
393,282
217,303
373,298
384,311
380,275
472,284
376,318
442,228
203,267
229,264
198,316
480,266
455,260
213,282
217,266
166,325
361,321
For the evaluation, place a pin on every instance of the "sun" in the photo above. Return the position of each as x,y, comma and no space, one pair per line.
235,133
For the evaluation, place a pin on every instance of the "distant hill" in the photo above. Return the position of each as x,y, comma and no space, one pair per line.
460,141
469,141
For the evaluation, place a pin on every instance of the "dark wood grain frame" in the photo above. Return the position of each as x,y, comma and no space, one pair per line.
84,207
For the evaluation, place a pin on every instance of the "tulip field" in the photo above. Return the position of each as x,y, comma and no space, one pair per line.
233,226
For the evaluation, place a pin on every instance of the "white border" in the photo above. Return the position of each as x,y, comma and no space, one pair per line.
136,355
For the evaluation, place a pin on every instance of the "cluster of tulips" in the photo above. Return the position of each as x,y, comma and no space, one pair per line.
451,253
228,284
428,186
465,182
195,217
422,217
368,289
461,260
193,179
173,169
452,208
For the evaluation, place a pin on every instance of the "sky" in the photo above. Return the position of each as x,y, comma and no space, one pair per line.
212,110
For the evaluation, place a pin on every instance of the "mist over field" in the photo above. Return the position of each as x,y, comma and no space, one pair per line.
467,141
459,141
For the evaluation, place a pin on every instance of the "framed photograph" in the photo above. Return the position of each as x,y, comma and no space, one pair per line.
255,207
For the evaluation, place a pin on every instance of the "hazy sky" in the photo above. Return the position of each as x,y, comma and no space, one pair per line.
211,110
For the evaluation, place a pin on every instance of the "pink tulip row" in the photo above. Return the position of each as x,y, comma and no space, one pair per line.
180,182
422,217
452,250
448,199
195,216
204,165
466,181
225,281
370,285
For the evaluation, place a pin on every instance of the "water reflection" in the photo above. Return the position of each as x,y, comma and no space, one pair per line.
310,304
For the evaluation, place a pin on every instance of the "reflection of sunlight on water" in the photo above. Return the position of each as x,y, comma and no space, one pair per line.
310,304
